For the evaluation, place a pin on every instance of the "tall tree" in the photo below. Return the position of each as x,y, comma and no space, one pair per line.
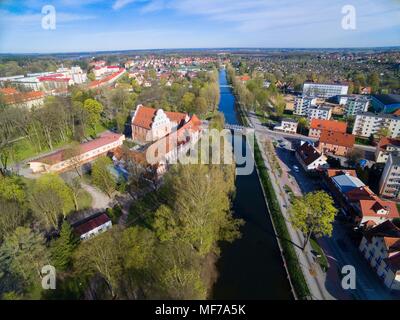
94,110
313,214
102,177
50,198
62,248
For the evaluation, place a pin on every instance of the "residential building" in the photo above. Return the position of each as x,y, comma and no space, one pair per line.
317,125
355,104
92,226
380,245
24,99
324,90
149,124
287,125
368,123
75,73
107,80
389,184
336,143
385,147
360,203
386,103
319,112
309,157
59,161
302,104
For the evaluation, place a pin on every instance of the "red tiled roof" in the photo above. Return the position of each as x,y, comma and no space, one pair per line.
361,193
308,153
385,142
23,97
7,91
105,138
91,224
369,208
145,115
337,138
331,125
105,80
336,172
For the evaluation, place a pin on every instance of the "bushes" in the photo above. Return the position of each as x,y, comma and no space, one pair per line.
295,272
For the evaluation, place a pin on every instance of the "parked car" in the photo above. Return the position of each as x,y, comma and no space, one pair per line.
296,168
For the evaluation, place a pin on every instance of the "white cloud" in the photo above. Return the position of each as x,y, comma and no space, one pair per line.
121,3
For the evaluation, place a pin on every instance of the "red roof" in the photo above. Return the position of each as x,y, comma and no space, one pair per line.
91,224
145,115
7,91
337,172
370,208
361,193
331,125
105,80
105,138
337,138
23,97
385,142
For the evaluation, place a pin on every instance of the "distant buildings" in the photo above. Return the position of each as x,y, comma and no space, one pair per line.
59,160
317,125
310,158
368,123
287,125
380,246
12,97
385,147
389,184
336,143
108,79
92,226
324,90
386,103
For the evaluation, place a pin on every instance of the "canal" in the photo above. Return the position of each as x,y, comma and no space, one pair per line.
250,267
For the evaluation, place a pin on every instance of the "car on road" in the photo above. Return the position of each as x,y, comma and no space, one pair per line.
296,168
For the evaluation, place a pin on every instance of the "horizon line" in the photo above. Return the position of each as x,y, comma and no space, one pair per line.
198,48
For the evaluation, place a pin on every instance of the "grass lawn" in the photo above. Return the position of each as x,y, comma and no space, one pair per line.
84,200
322,260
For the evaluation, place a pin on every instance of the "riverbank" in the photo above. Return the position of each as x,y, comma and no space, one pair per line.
251,267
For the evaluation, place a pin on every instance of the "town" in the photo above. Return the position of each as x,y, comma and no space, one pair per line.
122,171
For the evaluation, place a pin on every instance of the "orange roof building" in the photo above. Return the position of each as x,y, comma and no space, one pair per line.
337,143
317,125
149,124
59,161
26,99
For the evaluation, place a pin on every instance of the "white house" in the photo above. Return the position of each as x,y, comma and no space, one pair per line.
92,227
288,126
310,158
380,245
319,112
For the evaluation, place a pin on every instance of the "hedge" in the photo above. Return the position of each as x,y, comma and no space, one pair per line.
295,273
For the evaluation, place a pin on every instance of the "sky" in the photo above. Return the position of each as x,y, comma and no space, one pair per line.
100,25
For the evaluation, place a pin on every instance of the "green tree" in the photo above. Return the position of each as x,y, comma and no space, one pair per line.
187,101
102,177
62,248
200,105
94,110
50,198
313,214
23,254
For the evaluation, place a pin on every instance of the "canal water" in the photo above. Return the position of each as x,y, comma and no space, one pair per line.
250,267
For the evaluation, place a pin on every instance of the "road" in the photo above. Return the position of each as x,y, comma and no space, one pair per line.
339,248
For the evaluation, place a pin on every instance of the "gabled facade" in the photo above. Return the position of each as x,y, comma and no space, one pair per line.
309,157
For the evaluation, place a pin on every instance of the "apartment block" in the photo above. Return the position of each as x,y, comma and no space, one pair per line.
389,185
368,123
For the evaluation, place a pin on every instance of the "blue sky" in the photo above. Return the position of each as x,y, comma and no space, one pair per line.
93,25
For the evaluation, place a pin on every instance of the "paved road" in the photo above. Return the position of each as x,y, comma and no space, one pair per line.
339,248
